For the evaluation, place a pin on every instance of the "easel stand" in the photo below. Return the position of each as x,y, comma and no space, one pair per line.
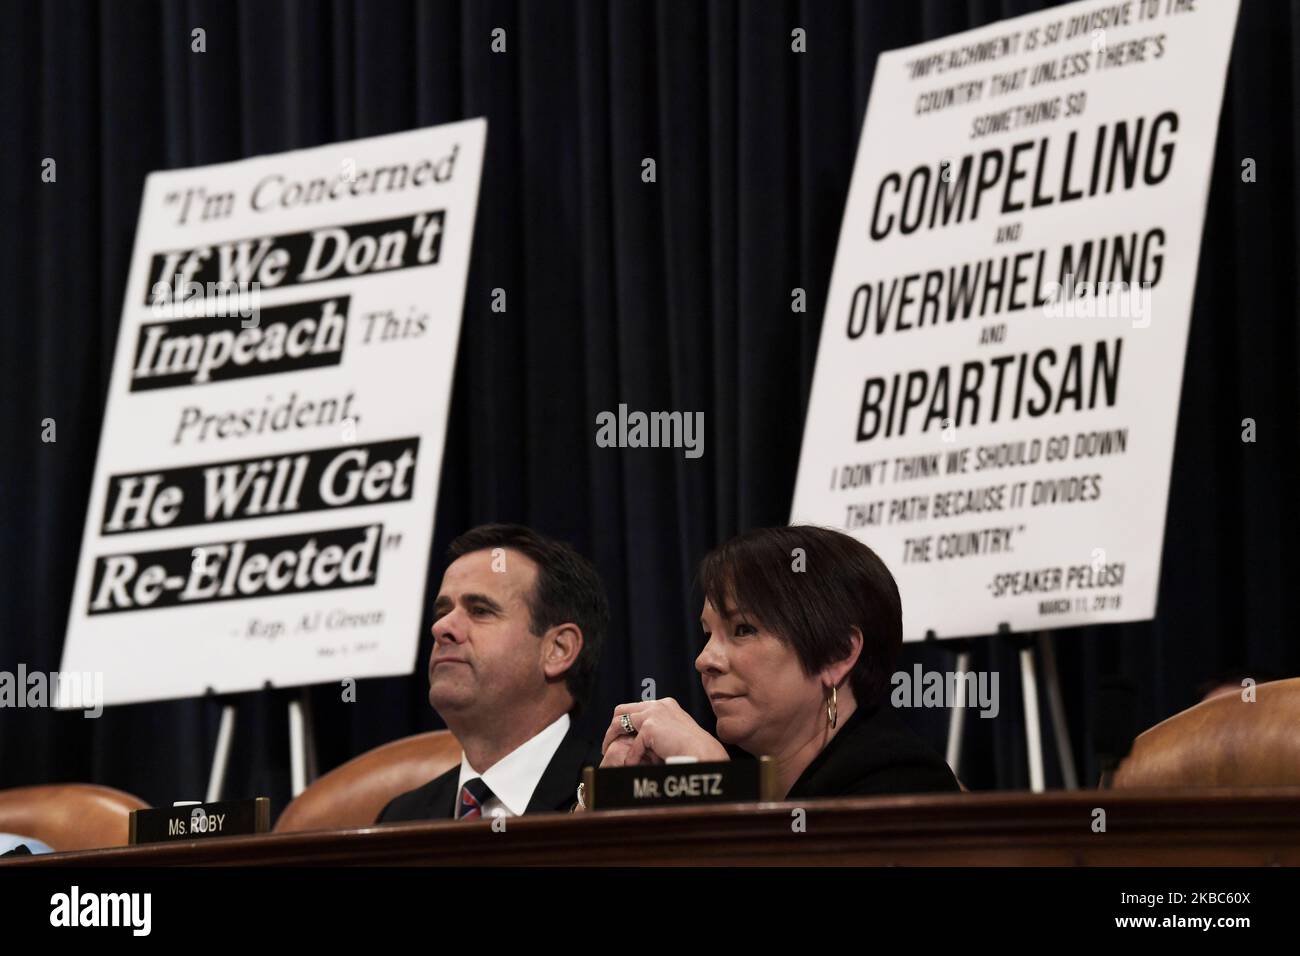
1027,644
957,716
302,742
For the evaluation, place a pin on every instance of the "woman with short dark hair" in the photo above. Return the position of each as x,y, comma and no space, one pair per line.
802,627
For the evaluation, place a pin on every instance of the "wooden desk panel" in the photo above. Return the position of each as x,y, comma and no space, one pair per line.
1145,828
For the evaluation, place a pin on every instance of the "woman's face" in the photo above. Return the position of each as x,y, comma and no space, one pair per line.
755,684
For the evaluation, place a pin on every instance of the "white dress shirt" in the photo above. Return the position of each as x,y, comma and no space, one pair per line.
514,777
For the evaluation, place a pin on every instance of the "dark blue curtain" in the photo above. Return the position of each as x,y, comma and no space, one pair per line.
667,296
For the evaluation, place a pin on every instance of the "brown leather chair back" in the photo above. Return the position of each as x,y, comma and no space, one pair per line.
353,794
69,816
1222,742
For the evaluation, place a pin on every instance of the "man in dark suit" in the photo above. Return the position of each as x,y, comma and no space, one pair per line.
519,623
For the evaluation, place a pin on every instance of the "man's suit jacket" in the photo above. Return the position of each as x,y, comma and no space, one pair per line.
556,791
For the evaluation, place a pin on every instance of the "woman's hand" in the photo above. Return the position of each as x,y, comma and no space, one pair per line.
616,751
663,730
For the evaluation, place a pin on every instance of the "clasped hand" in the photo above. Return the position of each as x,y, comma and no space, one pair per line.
662,730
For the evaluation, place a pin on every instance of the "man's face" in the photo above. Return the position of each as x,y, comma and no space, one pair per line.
485,658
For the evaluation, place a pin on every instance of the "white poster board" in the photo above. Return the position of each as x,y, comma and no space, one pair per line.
263,501
997,384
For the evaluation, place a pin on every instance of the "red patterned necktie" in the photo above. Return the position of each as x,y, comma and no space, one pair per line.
473,795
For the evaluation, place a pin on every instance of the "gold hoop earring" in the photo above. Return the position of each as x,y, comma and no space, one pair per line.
832,709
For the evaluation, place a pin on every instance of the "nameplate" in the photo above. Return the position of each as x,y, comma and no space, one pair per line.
678,784
202,820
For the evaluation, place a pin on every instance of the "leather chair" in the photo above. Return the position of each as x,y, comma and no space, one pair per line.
69,816
352,795
1222,742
